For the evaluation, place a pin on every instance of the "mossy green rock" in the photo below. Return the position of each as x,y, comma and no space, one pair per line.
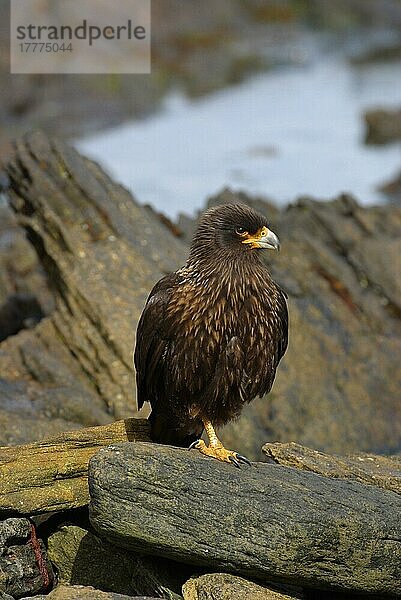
223,586
83,558
80,592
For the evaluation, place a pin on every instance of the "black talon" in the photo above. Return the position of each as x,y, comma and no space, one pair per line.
193,445
234,461
243,459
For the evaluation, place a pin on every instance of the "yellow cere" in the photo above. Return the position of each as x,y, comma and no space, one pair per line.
253,240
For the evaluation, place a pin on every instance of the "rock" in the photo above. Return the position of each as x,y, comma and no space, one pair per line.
52,475
75,368
82,557
80,592
19,311
378,54
24,294
223,586
13,530
381,471
339,264
264,522
382,126
392,189
24,565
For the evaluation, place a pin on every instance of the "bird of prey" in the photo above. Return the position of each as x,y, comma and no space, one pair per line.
212,334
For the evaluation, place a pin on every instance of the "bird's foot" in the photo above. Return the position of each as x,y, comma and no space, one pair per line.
220,453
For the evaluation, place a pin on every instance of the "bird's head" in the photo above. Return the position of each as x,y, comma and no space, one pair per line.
233,228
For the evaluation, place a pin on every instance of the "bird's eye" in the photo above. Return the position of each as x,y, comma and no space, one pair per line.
241,231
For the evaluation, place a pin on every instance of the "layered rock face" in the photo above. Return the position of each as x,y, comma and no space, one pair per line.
337,388
161,521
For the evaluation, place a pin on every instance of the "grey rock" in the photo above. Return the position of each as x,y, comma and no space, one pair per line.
370,469
19,311
24,294
265,522
13,532
24,566
75,368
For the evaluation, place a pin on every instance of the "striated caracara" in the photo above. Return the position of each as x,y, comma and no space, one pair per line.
212,334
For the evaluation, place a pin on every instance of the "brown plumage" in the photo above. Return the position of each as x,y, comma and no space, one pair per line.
212,334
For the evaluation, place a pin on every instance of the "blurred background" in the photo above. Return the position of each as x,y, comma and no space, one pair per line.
242,93
279,101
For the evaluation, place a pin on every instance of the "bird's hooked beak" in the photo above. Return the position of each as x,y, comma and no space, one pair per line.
263,238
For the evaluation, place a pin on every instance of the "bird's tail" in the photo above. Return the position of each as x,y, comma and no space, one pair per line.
164,430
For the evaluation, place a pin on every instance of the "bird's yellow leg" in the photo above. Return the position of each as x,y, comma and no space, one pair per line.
215,449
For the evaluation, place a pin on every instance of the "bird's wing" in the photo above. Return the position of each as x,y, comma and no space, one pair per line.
152,340
264,357
283,315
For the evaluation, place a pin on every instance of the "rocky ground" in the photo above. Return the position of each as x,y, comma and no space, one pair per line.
168,523
95,260
310,525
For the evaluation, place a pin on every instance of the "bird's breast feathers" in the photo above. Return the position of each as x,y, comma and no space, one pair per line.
207,314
